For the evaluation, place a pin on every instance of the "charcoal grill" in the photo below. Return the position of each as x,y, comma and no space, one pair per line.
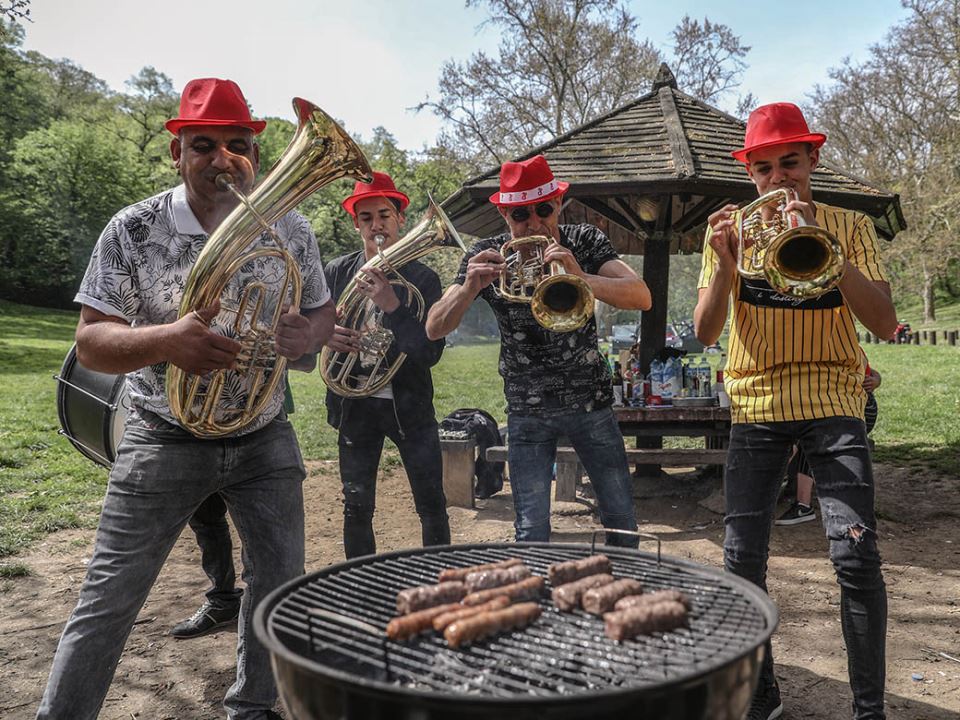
325,633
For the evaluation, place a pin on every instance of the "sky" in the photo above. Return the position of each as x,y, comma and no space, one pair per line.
326,50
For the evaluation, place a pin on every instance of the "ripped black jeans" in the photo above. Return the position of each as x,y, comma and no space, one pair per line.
366,424
839,457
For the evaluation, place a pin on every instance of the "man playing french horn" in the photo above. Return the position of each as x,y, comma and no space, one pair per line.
795,377
403,408
129,323
556,381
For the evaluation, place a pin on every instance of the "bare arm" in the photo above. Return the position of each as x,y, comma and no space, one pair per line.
617,284
869,301
300,333
713,301
445,315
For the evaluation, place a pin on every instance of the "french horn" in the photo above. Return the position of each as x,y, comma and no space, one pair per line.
226,401
364,373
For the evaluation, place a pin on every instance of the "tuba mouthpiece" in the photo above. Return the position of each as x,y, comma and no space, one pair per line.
224,181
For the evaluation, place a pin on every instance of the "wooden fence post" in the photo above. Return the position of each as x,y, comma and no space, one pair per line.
933,337
953,338
915,339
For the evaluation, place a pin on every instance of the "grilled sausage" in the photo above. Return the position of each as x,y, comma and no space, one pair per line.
600,600
652,599
464,632
565,572
424,596
567,597
451,574
459,612
484,579
644,619
406,626
528,589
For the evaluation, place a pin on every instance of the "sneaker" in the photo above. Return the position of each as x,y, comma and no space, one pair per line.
205,620
766,704
796,514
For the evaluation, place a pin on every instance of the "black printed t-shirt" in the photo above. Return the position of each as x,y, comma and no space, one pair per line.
546,372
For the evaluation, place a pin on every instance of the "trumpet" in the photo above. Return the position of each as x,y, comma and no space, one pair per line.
559,301
796,259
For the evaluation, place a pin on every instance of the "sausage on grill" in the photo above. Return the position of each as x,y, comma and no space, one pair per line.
528,589
464,632
424,596
644,619
459,612
567,597
565,572
406,626
484,579
601,599
451,574
652,599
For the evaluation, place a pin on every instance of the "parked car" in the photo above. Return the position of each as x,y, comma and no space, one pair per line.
623,338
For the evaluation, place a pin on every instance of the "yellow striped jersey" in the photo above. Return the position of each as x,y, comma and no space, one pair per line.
793,359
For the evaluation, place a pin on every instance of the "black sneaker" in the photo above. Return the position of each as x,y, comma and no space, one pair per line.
766,704
205,620
796,514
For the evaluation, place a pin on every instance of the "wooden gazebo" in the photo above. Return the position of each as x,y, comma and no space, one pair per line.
649,174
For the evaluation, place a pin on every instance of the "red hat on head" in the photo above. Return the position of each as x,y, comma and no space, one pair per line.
776,124
212,101
528,181
382,186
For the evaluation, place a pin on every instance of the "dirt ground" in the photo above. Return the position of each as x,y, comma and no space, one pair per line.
163,678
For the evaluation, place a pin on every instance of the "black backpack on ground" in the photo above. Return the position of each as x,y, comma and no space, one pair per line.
479,425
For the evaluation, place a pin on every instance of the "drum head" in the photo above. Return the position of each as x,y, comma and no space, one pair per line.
93,408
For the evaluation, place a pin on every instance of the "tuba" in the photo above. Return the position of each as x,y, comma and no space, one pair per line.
225,401
559,301
800,260
361,374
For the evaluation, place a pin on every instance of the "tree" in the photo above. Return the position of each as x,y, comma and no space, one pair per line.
893,119
13,10
708,58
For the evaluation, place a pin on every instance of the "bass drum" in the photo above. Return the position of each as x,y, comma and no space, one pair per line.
93,409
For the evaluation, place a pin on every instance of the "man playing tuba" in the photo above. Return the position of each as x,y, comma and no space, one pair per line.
130,299
795,377
403,408
557,383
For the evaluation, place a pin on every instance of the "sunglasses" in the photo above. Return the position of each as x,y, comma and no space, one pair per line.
522,213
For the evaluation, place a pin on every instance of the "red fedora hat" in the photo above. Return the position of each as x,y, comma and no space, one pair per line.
212,101
528,181
776,124
382,186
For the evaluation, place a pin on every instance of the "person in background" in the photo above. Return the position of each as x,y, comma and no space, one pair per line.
556,383
403,409
795,377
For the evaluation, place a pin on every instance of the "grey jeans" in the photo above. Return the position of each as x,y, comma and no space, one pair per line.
162,474
839,457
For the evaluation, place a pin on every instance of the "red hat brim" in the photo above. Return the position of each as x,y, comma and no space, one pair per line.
815,139
177,124
395,194
561,189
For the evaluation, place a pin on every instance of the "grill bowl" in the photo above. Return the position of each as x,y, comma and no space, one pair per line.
338,665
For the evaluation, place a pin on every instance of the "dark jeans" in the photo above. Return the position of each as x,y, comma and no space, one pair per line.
366,424
209,524
839,457
161,476
532,449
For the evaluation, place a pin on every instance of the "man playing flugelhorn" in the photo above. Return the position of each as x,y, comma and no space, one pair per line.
556,383
403,409
794,376
130,299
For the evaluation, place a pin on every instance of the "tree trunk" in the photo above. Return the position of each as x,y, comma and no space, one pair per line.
929,311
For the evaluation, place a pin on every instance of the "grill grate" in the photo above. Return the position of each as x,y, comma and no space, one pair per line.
561,653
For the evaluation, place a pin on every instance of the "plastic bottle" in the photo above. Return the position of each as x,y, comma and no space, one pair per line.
617,385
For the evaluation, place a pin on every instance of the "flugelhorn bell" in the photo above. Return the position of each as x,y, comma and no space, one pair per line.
226,401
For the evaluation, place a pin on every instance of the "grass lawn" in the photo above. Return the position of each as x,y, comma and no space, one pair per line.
46,485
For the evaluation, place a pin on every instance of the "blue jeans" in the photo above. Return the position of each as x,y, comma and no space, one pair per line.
161,476
532,449
839,458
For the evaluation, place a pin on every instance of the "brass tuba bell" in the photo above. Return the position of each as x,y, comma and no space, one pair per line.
361,374
226,401
559,301
800,260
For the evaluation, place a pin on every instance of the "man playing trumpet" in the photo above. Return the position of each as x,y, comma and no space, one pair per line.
557,384
794,377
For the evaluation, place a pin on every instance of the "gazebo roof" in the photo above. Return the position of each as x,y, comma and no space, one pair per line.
664,151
